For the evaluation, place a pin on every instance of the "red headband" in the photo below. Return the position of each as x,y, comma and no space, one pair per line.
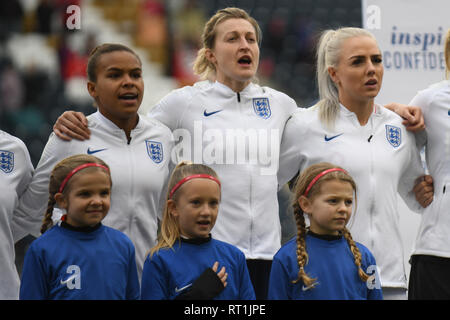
195,176
81,167
313,181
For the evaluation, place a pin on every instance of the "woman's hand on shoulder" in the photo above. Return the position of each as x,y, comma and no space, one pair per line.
412,115
72,125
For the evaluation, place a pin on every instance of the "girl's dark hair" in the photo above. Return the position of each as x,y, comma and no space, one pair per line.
302,183
58,174
100,50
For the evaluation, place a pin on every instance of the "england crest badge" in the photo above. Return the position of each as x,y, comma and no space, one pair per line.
394,135
155,151
6,161
262,107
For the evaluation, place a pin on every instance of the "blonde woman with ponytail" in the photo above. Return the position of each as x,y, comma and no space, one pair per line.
348,128
430,262
323,262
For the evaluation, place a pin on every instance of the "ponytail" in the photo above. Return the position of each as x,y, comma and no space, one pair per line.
356,254
328,54
204,68
47,222
328,92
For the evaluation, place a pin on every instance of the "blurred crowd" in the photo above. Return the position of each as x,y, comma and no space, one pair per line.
33,95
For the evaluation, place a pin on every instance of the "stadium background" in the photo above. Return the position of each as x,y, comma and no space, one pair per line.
44,50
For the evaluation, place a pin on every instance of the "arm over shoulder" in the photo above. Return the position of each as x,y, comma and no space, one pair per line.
290,156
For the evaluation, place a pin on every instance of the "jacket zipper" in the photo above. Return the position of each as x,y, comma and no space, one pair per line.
238,96
372,184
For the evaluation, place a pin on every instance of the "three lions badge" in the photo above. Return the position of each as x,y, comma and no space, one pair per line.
6,161
155,150
394,135
261,107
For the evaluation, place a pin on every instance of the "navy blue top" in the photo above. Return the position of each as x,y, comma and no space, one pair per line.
171,271
332,263
64,264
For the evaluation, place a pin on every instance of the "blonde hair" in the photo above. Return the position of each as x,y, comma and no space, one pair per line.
58,174
447,54
302,183
202,66
328,54
170,230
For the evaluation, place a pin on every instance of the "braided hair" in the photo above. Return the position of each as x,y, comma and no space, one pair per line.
301,185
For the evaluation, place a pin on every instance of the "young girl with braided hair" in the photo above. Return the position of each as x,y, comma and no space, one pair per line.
80,258
187,263
322,261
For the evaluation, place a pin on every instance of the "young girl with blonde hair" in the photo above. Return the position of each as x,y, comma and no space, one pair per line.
80,258
185,263
323,261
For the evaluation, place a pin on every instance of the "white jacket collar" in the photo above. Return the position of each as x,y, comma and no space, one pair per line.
104,121
377,110
224,89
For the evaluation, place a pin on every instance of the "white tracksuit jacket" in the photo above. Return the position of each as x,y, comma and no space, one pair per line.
238,135
382,165
139,172
433,237
16,171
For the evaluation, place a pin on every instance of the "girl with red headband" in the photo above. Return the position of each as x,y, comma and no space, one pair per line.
77,258
187,263
323,262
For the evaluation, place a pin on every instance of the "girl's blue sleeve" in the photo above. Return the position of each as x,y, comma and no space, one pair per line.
278,282
154,284
34,283
133,288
